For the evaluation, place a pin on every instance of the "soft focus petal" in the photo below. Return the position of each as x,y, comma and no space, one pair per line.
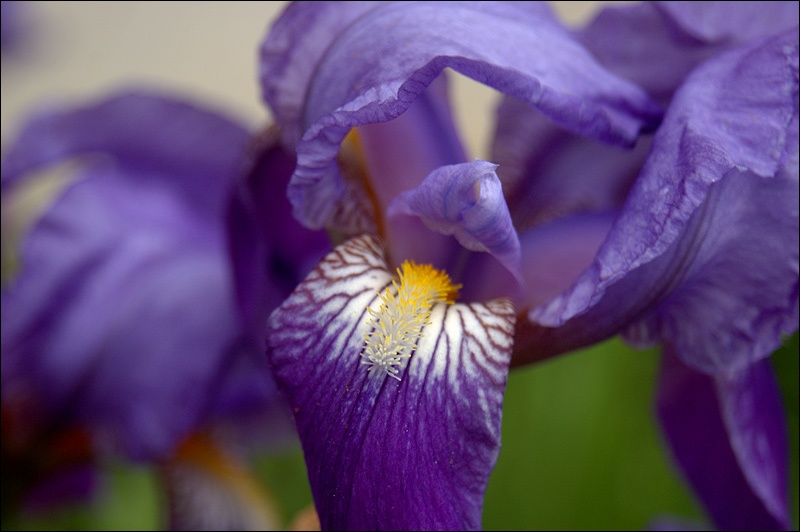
466,200
140,130
271,251
210,489
88,322
737,22
713,217
410,453
565,83
657,44
122,318
729,438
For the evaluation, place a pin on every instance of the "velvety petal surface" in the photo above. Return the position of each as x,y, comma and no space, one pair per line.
713,217
729,438
466,200
412,452
399,57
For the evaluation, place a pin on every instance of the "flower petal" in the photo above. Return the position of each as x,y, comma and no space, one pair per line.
94,273
466,200
729,438
743,21
565,83
657,44
211,489
548,172
122,318
408,453
713,217
143,130
270,250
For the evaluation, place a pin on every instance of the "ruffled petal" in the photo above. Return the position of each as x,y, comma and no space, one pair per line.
729,438
713,217
410,452
565,83
466,200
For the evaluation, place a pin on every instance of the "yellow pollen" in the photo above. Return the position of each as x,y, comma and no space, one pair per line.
397,325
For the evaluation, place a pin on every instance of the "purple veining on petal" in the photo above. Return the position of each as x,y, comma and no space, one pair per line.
413,453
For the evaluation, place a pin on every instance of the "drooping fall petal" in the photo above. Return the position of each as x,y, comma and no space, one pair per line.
410,452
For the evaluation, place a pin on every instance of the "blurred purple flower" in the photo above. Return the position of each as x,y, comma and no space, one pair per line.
122,321
689,239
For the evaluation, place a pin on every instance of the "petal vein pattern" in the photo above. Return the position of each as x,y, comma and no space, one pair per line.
411,452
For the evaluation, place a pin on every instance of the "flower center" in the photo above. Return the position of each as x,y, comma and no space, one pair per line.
397,325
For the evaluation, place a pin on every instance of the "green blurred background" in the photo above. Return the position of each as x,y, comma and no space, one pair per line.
580,446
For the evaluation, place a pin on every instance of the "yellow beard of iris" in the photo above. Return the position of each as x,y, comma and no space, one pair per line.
397,325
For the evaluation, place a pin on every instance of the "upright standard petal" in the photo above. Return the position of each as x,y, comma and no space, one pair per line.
399,57
397,398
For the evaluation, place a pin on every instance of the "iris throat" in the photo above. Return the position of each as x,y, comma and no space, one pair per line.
405,310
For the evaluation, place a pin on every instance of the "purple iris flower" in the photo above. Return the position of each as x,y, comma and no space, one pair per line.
122,320
643,182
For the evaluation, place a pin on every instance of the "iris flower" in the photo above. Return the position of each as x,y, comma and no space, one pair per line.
643,181
122,323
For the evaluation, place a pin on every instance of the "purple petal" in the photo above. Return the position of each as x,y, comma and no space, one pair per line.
110,312
397,58
466,200
732,22
411,452
548,172
152,133
289,58
271,251
730,440
122,318
705,253
399,154
657,44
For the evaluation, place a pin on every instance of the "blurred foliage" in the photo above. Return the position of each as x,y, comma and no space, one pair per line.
581,450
